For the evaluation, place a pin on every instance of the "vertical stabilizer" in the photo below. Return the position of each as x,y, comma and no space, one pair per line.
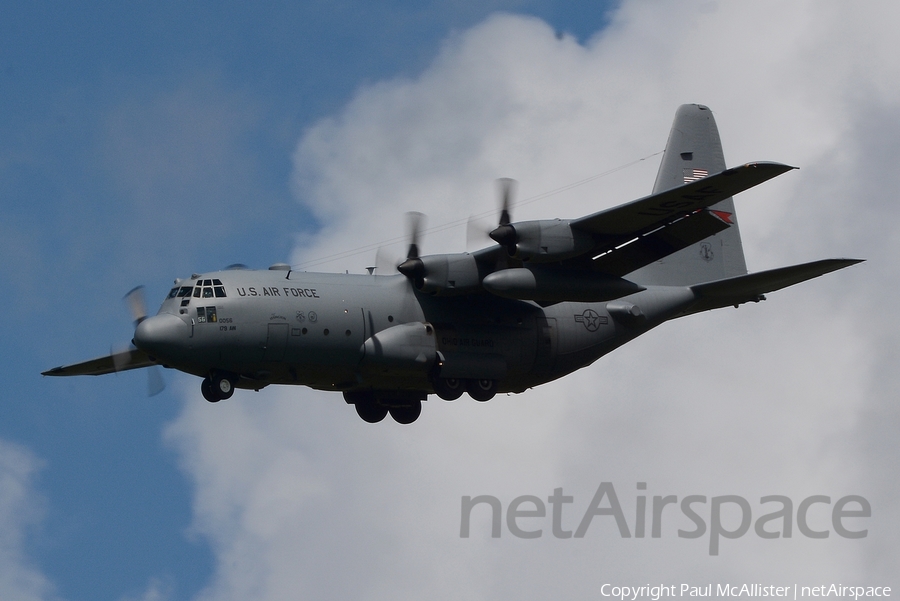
694,151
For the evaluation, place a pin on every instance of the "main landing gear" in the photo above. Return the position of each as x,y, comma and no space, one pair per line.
373,407
217,387
373,410
451,389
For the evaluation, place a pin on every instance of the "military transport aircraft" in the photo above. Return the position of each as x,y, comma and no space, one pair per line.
550,297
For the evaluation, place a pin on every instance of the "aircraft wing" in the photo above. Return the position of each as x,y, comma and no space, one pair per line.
751,287
645,230
121,361
648,213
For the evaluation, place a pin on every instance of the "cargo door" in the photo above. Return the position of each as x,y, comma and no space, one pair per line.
276,342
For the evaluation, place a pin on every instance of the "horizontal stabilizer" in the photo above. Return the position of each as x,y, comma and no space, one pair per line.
751,287
645,214
122,361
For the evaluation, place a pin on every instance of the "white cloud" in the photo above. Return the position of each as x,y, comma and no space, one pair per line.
156,591
793,396
21,508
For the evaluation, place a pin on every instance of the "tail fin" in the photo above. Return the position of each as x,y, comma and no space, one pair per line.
693,152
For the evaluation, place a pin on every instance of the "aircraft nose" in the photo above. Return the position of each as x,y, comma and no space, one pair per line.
161,334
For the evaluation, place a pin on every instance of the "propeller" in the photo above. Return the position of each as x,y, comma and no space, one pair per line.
385,262
507,188
413,267
134,300
505,234
478,230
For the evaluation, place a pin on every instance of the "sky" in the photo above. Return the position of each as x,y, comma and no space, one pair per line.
140,144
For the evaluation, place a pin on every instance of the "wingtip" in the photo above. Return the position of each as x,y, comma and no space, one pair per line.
780,167
846,260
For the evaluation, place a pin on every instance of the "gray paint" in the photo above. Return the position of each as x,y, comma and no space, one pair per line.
550,299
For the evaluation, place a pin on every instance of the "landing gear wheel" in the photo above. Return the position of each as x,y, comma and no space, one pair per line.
222,387
449,389
207,391
481,390
407,414
370,411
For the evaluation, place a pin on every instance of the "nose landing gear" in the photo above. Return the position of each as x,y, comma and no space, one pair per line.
217,387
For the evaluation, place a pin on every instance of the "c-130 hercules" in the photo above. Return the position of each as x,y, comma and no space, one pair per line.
550,297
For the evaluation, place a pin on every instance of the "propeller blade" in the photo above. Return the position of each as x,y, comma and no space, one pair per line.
416,222
478,231
138,309
119,356
413,267
155,382
505,233
121,360
386,262
136,305
507,189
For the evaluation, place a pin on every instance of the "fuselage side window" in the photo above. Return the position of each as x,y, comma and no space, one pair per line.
206,314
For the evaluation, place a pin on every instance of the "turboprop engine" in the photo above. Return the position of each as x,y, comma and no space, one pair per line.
443,275
545,241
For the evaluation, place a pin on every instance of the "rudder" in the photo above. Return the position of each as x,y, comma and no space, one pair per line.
694,151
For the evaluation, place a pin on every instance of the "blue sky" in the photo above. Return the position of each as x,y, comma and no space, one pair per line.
95,98
142,144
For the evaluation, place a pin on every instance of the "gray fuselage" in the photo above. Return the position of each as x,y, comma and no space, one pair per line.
327,331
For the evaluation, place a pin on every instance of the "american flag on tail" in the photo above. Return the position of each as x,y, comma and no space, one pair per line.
692,175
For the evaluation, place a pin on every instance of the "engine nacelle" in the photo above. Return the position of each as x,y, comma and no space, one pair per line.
549,285
544,241
405,349
444,275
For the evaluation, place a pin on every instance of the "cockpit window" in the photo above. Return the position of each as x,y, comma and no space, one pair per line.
203,289
209,289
